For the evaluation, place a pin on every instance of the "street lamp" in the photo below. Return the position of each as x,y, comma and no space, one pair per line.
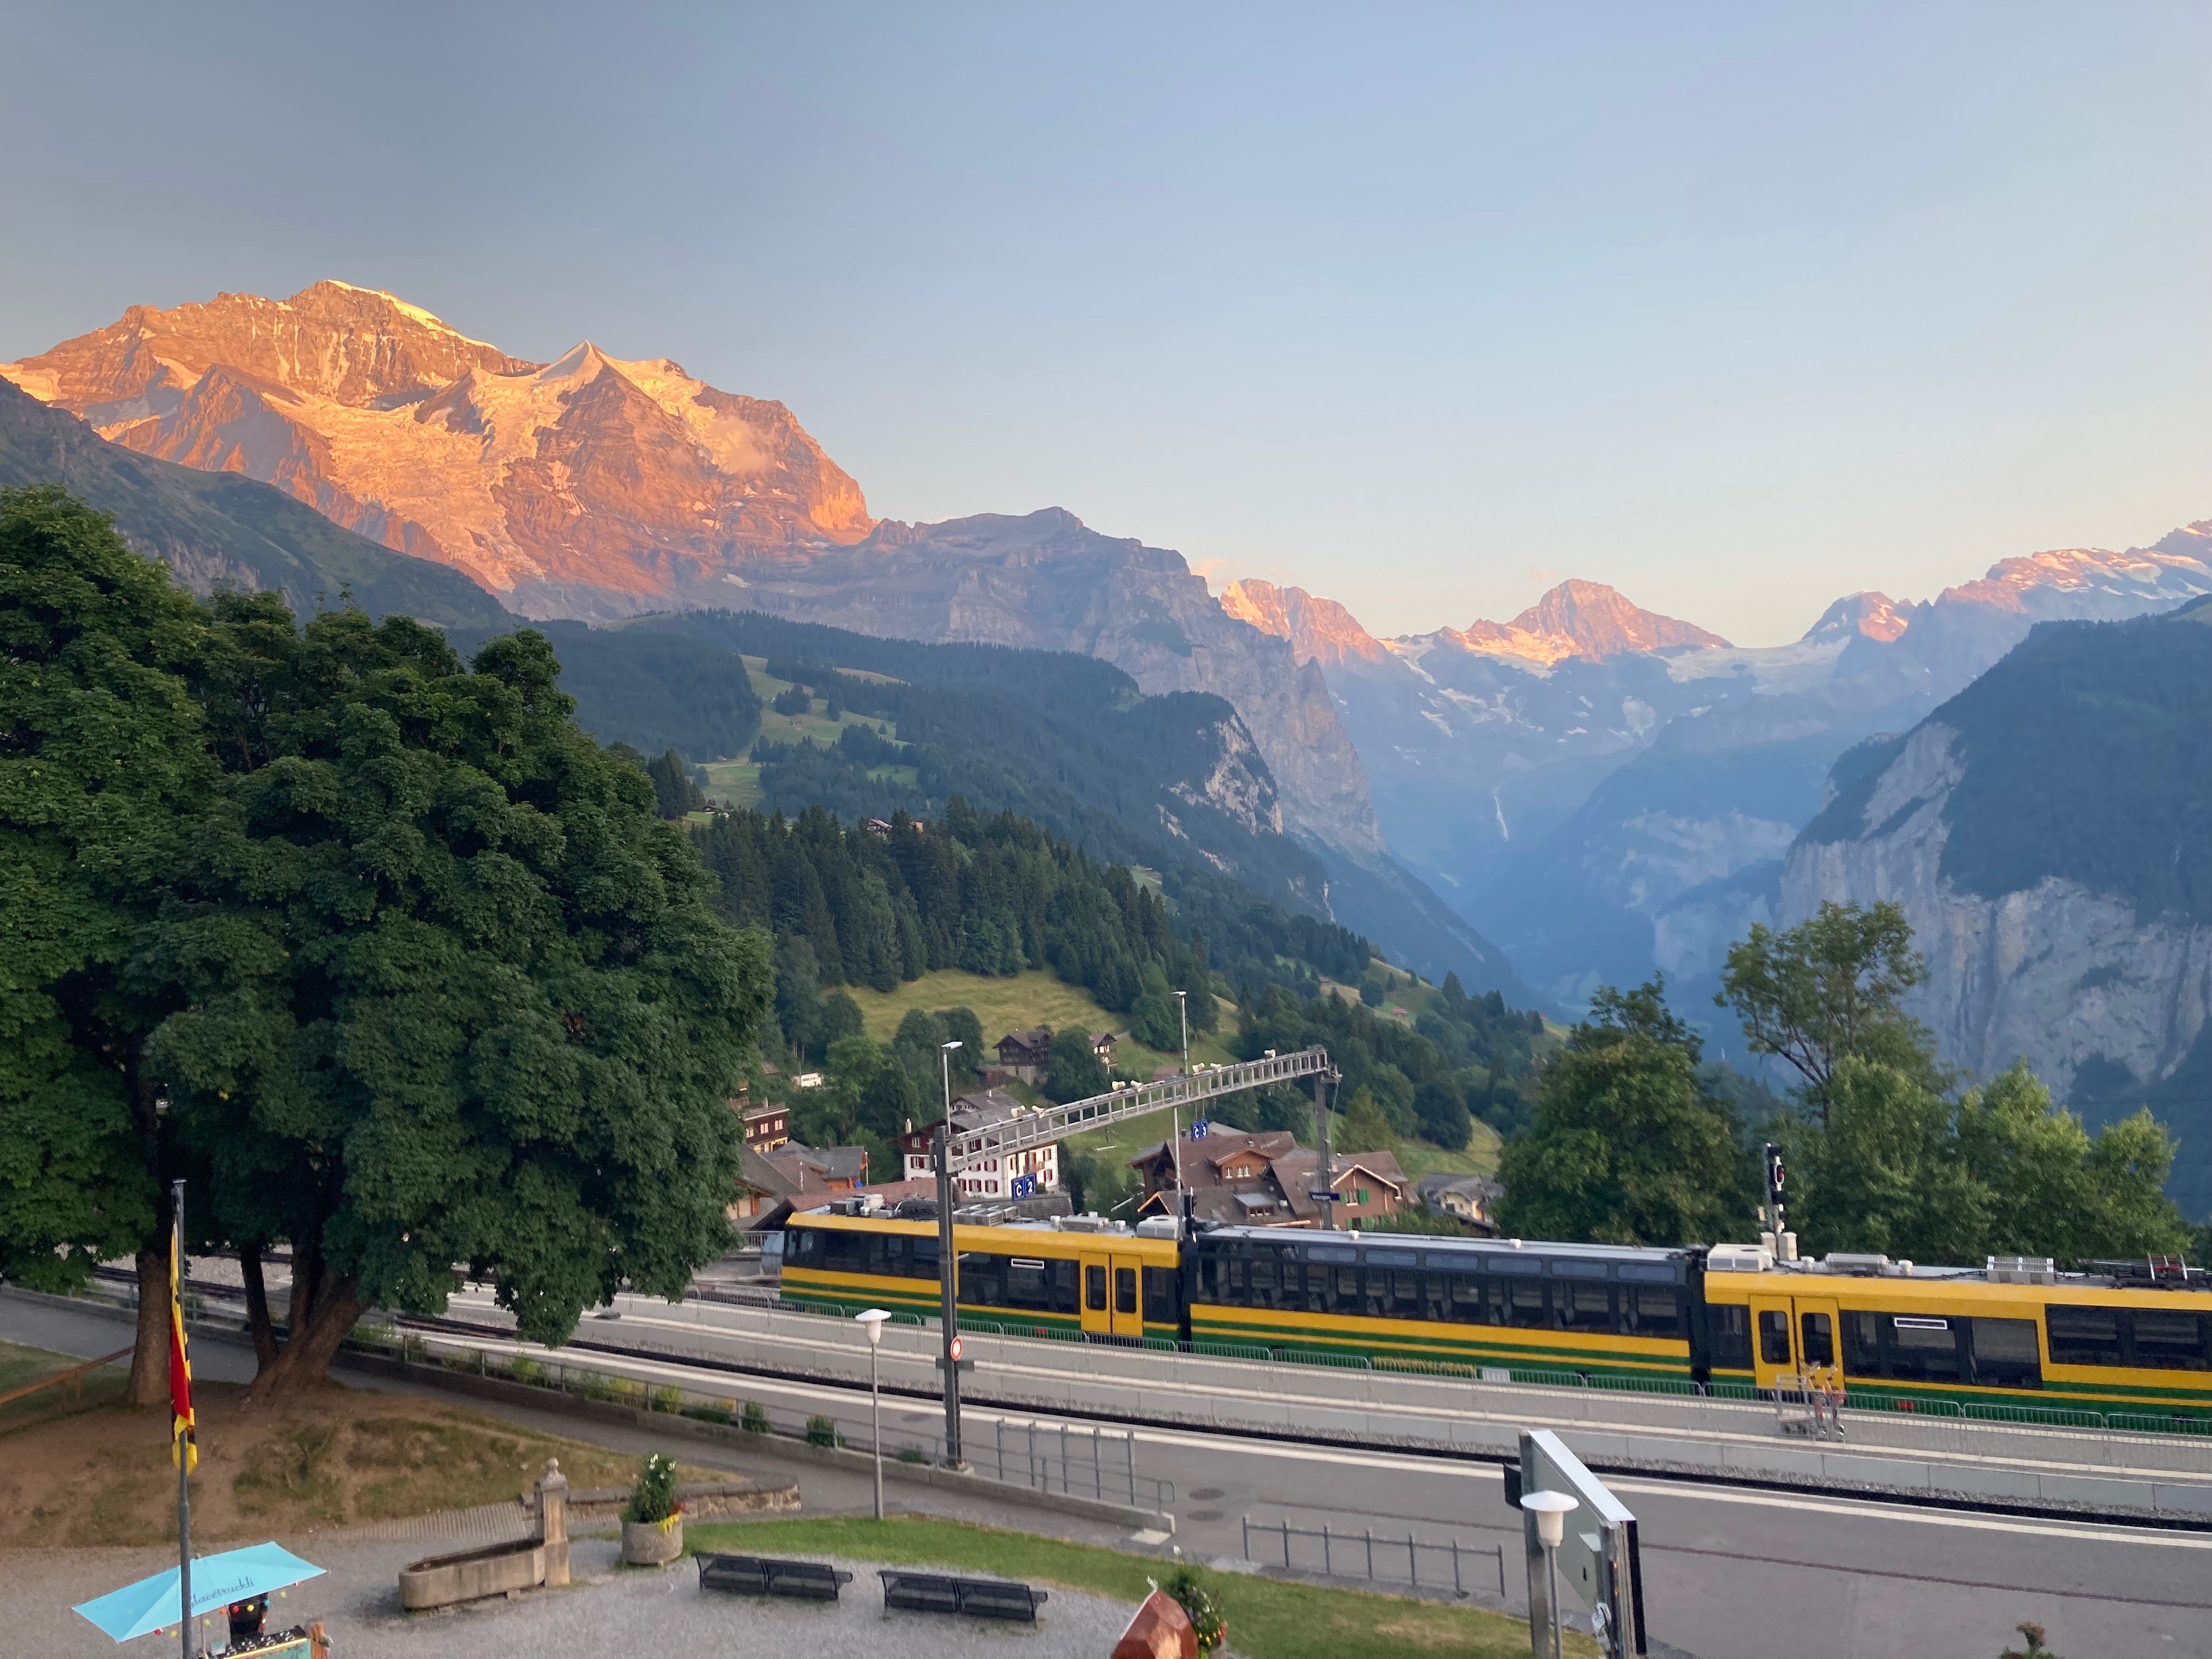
1550,1510
948,1267
1182,1200
874,1319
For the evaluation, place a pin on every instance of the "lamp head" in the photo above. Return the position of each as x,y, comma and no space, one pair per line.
1550,1510
950,1047
874,1319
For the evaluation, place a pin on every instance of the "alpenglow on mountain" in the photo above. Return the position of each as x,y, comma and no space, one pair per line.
587,487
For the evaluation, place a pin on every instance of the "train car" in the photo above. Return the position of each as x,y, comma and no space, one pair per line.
1100,1283
2132,1342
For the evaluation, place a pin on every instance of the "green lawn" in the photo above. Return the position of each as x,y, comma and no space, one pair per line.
1016,1004
1268,1618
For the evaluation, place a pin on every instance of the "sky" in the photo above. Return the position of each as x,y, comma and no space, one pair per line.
1737,308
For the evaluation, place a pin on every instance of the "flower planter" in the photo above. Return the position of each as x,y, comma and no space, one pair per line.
649,1544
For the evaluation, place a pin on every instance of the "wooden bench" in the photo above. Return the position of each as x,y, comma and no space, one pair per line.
978,1598
765,1575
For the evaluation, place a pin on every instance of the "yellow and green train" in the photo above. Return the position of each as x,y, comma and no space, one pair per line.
2136,1341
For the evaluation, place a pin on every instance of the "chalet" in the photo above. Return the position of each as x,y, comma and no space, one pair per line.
1469,1197
1102,1044
766,1127
1021,1175
1266,1179
792,1176
876,826
1026,1054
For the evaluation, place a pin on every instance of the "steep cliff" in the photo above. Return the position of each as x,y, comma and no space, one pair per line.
2048,833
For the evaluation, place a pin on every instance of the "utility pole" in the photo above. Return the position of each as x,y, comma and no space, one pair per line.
1325,1166
1175,1120
181,1440
948,1269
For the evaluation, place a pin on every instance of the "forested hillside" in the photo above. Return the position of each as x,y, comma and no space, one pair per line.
994,895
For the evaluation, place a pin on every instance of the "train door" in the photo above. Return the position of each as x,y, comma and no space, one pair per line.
1773,1345
1820,1339
1128,1296
1097,1295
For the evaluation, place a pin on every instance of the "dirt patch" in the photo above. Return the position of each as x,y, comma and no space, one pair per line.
333,1457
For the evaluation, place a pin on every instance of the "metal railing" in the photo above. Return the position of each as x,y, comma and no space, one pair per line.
1360,1549
1074,1461
1056,1123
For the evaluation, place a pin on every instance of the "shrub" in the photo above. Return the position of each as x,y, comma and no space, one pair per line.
668,1398
652,1499
626,1391
2034,1649
523,1369
1205,1614
822,1431
708,1413
754,1417
592,1386
911,1455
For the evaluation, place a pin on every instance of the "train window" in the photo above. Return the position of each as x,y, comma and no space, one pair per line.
1924,1350
982,1279
879,1250
1774,1337
1861,1343
924,1258
1160,1295
1404,1293
1331,1252
1028,1284
1727,1330
1518,1303
1125,1290
1467,1297
1094,1285
2168,1340
1584,1307
1652,1310
1662,1273
1517,1264
1263,1284
1816,1336
897,1250
1579,1269
802,1244
1391,1258
2005,1354
2085,1336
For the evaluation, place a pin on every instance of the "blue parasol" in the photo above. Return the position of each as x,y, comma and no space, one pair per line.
150,1604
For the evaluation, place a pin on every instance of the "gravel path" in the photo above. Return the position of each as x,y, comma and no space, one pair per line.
610,1610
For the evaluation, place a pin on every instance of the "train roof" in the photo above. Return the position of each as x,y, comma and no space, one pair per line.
1436,1245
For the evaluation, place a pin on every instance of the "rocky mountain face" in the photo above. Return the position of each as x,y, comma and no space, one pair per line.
1046,580
588,487
2048,833
218,529
1604,791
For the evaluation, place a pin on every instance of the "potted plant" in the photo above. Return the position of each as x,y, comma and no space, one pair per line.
652,1521
1206,1622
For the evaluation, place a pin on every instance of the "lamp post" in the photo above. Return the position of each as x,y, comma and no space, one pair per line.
948,1267
874,1319
1550,1510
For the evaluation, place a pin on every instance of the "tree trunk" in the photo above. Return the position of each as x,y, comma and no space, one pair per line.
149,1357
305,1361
257,1307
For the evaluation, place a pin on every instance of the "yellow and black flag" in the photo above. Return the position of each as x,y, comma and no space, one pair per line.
183,1429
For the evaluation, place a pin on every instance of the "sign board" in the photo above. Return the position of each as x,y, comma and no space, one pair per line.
1200,1128
1024,1186
1598,1557
955,1347
1322,1196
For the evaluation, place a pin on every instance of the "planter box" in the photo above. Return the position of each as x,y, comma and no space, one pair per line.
442,1580
645,1545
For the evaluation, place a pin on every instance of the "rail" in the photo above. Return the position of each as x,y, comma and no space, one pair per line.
1331,1540
74,1374
1056,1123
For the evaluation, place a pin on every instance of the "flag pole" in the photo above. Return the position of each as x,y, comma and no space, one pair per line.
180,1417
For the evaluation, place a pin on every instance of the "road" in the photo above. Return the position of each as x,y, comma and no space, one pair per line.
1729,1573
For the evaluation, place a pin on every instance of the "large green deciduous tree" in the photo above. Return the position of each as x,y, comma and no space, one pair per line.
1625,1146
452,995
101,762
1831,988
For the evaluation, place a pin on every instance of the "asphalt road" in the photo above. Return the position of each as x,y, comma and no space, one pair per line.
1729,1573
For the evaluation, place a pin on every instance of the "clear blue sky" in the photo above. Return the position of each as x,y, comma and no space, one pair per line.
1739,308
